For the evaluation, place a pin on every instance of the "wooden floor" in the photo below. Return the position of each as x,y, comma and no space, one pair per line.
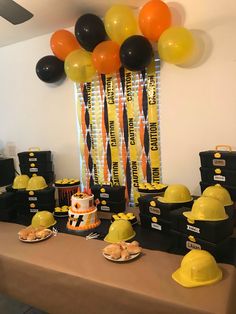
10,306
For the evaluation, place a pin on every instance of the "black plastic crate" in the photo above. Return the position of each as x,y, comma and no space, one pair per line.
217,158
35,156
7,171
111,207
149,205
218,175
46,195
24,219
7,199
152,222
186,243
8,214
211,231
33,208
35,167
109,193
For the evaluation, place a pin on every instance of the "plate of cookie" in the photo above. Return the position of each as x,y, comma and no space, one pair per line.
122,251
32,235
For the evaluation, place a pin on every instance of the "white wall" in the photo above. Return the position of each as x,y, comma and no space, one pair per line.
198,102
34,113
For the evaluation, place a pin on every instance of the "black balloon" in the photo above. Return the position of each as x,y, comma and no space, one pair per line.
89,31
136,53
50,69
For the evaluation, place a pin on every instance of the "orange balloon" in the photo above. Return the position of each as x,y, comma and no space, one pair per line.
154,18
62,43
106,57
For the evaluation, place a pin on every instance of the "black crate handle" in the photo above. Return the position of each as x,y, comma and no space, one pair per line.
227,147
33,149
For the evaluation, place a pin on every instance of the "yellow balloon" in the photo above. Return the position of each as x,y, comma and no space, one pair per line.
120,23
79,66
176,45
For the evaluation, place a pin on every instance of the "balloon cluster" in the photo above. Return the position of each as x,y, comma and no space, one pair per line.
105,46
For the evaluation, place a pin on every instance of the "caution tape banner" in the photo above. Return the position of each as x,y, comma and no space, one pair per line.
153,123
113,130
119,129
132,136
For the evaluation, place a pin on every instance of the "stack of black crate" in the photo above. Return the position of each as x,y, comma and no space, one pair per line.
156,215
37,163
219,167
109,198
28,202
212,236
7,207
7,171
7,199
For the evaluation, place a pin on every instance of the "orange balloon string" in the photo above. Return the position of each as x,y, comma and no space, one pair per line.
105,171
86,154
141,130
144,160
124,155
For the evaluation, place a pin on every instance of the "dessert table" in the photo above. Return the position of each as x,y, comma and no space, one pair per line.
68,274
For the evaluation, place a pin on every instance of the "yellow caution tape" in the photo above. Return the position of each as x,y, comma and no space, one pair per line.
153,122
132,136
113,129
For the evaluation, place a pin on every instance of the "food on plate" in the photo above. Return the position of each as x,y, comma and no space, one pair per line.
151,187
61,211
125,254
122,250
31,234
113,250
133,249
126,216
67,182
42,234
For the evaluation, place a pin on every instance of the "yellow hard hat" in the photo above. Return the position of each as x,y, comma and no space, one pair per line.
43,219
20,182
198,268
120,230
36,183
220,193
176,193
207,208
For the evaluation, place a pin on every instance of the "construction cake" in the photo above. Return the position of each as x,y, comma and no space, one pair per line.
82,213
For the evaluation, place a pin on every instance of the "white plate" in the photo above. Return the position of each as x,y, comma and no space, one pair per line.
37,240
121,259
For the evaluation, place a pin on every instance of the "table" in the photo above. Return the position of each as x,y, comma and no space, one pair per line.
68,274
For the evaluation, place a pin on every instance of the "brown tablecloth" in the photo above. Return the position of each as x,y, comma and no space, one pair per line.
68,274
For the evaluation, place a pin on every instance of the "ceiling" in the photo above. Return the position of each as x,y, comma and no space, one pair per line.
51,15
